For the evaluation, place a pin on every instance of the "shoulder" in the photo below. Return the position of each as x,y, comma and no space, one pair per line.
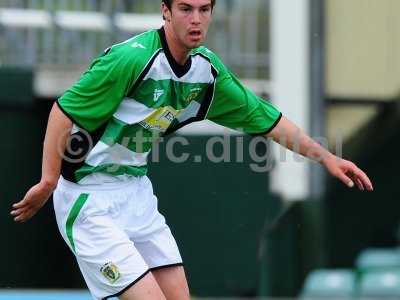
137,50
212,57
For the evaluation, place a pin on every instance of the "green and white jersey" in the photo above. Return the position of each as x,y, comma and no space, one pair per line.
136,90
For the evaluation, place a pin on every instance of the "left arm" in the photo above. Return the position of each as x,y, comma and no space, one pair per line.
235,106
292,137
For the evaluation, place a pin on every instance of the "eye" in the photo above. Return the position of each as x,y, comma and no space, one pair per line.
185,9
205,10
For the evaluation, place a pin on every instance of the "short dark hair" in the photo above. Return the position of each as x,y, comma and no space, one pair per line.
168,3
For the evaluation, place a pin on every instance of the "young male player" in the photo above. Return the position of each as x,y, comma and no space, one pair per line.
155,82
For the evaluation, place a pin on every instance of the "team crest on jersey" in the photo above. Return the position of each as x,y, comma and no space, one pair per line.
193,94
111,272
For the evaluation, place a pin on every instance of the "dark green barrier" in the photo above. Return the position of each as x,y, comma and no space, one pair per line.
358,220
34,254
16,88
217,211
293,246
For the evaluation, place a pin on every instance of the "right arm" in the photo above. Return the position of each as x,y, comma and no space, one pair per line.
58,131
90,103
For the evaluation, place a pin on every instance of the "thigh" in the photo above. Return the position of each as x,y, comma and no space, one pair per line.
146,288
173,283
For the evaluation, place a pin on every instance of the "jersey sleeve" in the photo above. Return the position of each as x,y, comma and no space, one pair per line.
236,107
94,98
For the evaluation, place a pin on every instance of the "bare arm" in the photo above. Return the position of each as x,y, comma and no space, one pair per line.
57,133
290,136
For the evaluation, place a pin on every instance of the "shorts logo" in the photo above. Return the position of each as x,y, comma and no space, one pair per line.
111,272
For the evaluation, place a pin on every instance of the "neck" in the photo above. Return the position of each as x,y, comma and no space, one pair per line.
178,51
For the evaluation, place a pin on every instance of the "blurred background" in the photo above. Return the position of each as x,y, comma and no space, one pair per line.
332,66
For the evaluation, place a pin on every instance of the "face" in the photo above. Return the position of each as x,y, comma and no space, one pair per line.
188,20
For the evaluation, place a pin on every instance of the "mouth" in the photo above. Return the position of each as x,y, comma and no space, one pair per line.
195,34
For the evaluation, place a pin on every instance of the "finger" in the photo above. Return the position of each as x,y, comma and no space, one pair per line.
356,180
17,211
364,179
20,204
345,179
20,218
23,207
359,184
25,216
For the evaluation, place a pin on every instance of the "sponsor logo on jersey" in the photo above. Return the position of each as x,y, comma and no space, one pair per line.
138,45
157,94
160,119
168,116
111,272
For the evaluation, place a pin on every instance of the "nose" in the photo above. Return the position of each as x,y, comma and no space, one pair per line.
196,16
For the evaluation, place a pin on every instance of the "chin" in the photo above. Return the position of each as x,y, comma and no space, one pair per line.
193,45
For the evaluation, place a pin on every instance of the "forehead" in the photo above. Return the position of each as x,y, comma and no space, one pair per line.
192,2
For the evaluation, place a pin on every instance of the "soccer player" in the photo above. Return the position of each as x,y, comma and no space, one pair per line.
153,83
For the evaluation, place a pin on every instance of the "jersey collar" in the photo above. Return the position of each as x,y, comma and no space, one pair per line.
179,70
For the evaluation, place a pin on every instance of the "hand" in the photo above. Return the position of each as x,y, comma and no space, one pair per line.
34,200
347,172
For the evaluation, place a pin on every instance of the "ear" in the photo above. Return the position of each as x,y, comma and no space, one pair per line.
165,12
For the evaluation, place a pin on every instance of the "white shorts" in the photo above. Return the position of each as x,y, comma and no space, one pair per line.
115,232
